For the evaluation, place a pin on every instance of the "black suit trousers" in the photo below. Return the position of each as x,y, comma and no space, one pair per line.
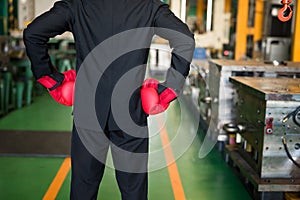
87,171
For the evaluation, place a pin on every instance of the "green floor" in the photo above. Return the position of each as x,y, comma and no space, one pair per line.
29,177
44,114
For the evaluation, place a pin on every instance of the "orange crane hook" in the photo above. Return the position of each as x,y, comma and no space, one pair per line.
286,12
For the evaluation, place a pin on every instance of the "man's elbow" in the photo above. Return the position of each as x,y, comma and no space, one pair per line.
27,34
193,43
190,46
30,36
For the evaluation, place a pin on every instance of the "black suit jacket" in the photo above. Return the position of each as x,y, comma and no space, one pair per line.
93,22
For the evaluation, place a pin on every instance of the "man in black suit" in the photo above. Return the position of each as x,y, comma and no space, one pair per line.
112,40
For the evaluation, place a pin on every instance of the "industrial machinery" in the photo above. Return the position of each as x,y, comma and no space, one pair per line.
4,51
197,83
4,61
224,96
268,121
277,36
216,20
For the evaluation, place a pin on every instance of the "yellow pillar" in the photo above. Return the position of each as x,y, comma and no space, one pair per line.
259,21
200,13
296,37
200,8
227,7
241,29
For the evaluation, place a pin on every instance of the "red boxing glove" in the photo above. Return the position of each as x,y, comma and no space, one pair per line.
60,86
153,102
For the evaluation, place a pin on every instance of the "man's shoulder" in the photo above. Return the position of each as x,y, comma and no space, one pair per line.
157,2
67,2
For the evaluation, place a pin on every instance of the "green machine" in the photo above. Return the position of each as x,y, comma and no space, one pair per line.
8,16
3,17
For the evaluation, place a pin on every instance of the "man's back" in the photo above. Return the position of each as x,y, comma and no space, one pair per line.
97,20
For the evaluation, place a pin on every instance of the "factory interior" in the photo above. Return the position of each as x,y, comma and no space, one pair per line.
233,134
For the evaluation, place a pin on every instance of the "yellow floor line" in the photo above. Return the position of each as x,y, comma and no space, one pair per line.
58,180
172,168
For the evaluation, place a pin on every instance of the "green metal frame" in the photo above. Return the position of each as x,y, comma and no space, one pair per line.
3,17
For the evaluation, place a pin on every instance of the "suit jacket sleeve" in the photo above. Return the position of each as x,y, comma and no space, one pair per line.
182,42
36,36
